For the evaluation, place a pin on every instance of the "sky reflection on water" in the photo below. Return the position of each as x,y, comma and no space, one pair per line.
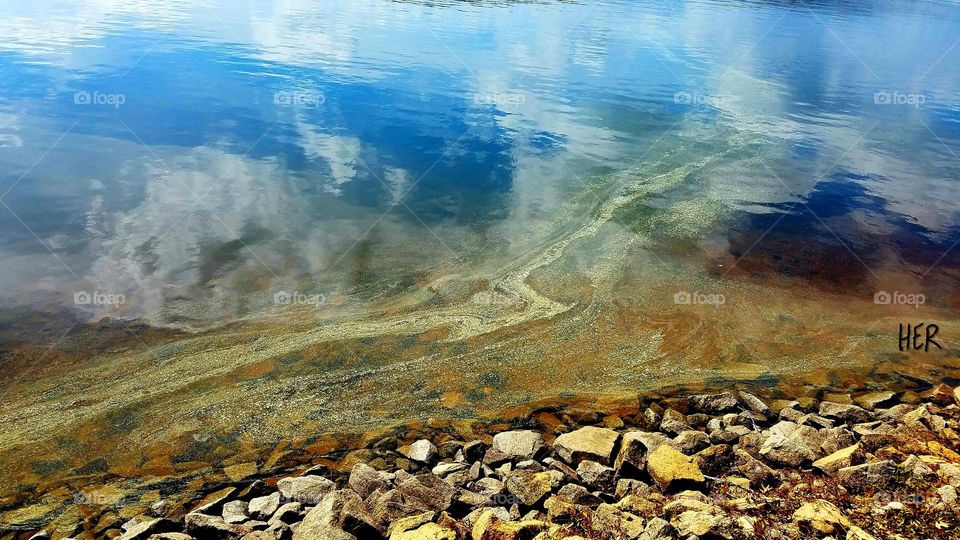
196,157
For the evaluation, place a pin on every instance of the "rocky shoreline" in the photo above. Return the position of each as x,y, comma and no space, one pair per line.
727,465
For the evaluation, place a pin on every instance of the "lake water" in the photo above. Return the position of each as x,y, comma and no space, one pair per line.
366,212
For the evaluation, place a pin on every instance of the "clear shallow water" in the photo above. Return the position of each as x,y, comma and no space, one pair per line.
471,206
197,158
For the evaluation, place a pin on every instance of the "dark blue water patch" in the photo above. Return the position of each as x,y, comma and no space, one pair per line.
820,239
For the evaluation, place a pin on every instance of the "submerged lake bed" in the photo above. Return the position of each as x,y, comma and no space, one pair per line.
237,234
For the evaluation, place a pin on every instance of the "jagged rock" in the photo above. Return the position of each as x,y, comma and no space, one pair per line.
159,509
530,465
791,414
323,522
714,460
852,455
635,447
948,495
913,467
577,494
409,523
429,531
627,486
494,457
450,449
488,486
529,486
477,516
596,475
593,443
356,519
264,507
670,469
455,474
715,403
608,518
942,394
710,524
834,439
491,525
728,434
235,512
868,475
562,511
815,421
821,516
304,489
956,396
758,473
474,499
519,445
288,513
657,529
643,504
674,422
389,506
145,529
422,451
874,400
922,417
845,412
364,479
685,504
790,444
691,442
950,473
756,404
563,468
427,492
650,419
213,527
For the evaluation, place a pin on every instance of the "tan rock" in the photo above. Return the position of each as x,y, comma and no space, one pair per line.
488,526
856,533
529,486
429,531
610,518
871,400
851,455
669,468
635,447
821,516
520,444
407,523
698,524
593,443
